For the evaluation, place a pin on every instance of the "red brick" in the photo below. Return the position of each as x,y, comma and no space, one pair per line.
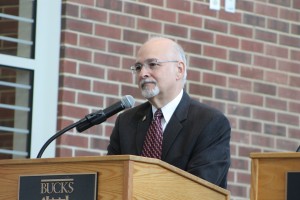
193,75
228,95
115,5
244,178
120,48
290,41
97,143
240,57
265,61
241,84
288,119
289,66
179,5
202,9
90,100
120,76
252,73
67,66
276,77
190,20
200,63
264,141
76,83
92,42
214,79
122,20
175,30
136,9
278,25
149,25
70,10
292,94
287,145
72,111
76,53
153,2
231,17
294,107
264,115
265,88
227,41
266,10
249,125
215,25
227,68
276,103
86,152
290,15
272,129
106,88
107,59
239,110
200,35
251,99
66,96
253,46
190,47
69,38
237,190
241,31
266,36
254,20
163,15
295,55
107,31
214,52
201,90
93,14
245,5
77,25
294,133
91,71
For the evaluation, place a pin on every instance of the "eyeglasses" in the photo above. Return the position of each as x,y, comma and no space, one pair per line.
151,64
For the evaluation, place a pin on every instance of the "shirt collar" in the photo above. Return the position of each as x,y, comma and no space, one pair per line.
169,109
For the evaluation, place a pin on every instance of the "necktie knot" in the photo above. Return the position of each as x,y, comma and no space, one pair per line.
158,114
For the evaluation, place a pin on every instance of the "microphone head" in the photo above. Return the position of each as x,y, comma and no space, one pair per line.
128,101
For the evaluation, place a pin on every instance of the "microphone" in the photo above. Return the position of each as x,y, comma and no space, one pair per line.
101,115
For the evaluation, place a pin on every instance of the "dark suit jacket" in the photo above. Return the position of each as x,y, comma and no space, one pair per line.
196,138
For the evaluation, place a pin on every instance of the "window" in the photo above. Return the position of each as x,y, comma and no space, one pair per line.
28,76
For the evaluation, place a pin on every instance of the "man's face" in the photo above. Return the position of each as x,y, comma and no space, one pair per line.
156,76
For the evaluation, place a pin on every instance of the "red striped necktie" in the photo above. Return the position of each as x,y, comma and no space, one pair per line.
153,143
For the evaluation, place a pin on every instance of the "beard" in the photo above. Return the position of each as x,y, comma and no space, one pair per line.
149,92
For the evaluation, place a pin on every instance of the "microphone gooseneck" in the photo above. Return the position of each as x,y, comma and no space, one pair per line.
92,119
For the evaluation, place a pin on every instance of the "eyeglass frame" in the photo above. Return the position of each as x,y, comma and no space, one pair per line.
148,63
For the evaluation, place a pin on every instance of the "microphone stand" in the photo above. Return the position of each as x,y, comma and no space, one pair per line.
88,121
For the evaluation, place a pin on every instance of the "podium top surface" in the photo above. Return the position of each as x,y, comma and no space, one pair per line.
112,158
275,155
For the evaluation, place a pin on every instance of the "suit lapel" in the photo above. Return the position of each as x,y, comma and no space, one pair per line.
174,126
142,127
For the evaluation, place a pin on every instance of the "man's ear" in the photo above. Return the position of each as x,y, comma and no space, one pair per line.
180,70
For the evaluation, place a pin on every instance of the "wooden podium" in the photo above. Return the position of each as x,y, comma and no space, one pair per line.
123,177
268,174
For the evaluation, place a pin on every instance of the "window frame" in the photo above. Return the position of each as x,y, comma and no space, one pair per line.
45,67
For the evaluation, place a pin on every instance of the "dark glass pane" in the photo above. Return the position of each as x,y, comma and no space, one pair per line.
17,24
15,112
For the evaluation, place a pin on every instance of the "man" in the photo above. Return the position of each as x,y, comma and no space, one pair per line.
195,136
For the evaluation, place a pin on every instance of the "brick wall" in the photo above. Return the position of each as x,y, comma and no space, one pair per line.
246,64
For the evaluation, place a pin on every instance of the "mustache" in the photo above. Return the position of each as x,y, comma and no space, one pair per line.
145,81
